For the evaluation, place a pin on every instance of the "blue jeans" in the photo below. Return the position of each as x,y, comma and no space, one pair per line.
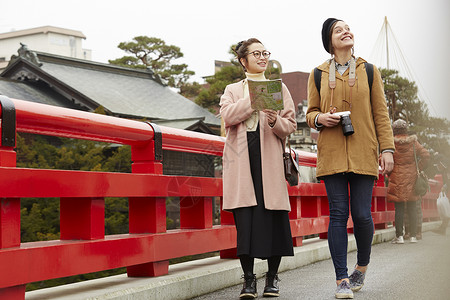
361,187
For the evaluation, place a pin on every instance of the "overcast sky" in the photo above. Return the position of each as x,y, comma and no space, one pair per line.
290,29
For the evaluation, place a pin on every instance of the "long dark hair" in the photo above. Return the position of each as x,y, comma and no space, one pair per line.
241,50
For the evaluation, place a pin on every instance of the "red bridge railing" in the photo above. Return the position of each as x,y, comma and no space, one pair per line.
145,251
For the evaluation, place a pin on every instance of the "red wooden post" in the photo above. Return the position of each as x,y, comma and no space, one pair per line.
7,156
9,222
7,132
13,293
323,235
380,203
228,253
390,206
381,226
324,211
226,218
9,207
152,269
82,218
144,161
294,214
379,208
297,241
148,214
195,212
380,180
310,207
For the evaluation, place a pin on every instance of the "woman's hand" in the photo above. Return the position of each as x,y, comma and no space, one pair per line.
328,119
271,116
386,163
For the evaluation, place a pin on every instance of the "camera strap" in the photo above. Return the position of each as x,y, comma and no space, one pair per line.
332,80
351,79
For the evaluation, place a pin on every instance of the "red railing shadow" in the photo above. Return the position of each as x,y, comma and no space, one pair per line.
145,251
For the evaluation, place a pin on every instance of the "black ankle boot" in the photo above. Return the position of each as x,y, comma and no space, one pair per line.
271,289
249,289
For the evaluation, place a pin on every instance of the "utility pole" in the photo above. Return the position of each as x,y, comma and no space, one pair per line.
387,41
391,95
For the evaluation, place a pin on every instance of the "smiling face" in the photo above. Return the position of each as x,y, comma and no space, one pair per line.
252,64
341,37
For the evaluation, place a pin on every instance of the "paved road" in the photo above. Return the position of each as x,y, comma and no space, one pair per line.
408,271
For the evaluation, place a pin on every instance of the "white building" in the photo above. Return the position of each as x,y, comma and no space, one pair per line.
49,39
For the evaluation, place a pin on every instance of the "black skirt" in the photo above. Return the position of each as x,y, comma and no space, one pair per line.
261,233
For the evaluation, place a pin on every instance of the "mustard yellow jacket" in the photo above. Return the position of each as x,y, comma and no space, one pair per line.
357,153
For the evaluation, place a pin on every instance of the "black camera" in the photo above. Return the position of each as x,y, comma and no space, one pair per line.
347,127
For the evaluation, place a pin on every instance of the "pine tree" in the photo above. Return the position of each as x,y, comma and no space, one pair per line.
403,102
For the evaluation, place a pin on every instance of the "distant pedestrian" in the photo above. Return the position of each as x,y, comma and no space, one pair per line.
348,147
254,187
442,168
402,179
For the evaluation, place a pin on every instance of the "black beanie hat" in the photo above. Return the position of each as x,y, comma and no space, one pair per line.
326,27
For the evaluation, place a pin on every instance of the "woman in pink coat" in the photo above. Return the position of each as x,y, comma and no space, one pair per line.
254,188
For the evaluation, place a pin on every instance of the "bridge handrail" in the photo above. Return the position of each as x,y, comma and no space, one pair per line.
51,120
146,249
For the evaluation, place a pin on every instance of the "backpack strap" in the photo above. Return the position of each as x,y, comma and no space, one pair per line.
369,71
317,79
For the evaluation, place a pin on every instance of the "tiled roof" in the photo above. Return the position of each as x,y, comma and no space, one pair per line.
128,92
122,91
25,91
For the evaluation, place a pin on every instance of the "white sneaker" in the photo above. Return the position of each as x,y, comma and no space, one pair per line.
413,239
398,240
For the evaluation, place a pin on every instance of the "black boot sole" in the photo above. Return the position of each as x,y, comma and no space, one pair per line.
248,296
271,294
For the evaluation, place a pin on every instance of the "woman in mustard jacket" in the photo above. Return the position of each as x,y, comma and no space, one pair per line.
254,188
348,156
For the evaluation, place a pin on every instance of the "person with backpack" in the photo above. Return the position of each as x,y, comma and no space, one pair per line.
349,109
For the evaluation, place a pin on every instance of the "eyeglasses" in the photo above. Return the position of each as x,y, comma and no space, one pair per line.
257,54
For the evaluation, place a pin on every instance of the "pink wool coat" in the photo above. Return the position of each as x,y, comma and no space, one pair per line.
238,188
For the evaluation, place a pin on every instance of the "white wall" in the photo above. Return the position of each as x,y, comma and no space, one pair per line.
49,42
